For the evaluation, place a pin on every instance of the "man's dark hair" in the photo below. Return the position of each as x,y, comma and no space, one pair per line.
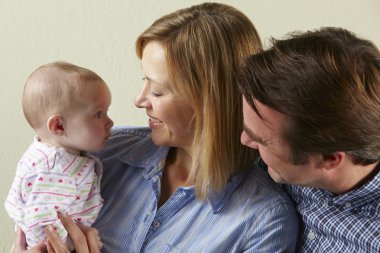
327,83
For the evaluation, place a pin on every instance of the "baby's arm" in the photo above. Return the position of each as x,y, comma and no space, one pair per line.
15,202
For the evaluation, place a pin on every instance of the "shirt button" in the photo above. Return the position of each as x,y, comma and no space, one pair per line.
311,236
348,204
156,224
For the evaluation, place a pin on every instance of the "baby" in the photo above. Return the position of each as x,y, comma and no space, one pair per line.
67,107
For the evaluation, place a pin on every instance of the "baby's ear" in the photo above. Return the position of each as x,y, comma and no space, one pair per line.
55,124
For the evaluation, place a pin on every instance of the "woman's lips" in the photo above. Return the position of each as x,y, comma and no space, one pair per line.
153,122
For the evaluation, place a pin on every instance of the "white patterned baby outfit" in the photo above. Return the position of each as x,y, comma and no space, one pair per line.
49,179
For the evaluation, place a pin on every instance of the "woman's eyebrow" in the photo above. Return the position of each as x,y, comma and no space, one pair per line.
153,80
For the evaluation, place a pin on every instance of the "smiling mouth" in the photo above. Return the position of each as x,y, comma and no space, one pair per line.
154,120
154,123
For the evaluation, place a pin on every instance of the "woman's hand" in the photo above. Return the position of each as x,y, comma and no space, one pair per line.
20,244
85,239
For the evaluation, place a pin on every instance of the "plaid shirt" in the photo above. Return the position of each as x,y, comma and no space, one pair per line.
345,223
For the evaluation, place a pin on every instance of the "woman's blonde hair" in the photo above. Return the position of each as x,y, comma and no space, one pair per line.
54,88
205,46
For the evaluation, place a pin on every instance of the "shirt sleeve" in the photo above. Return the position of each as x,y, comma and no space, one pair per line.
275,230
15,201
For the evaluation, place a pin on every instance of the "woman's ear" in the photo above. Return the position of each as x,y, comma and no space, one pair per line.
55,124
333,160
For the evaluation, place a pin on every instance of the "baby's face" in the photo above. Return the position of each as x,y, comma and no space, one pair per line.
88,126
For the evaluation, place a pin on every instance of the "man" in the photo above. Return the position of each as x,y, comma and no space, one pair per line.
312,108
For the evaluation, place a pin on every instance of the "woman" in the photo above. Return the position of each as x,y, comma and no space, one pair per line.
187,184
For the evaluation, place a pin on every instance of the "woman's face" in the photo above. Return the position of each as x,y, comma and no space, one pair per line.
170,117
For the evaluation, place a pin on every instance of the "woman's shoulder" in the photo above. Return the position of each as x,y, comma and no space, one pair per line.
131,143
260,190
139,132
254,190
127,136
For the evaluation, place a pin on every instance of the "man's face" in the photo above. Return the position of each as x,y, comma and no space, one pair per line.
265,134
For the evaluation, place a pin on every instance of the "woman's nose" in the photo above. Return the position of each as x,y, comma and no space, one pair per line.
141,101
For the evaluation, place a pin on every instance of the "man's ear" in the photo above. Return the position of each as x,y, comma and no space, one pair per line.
55,124
333,160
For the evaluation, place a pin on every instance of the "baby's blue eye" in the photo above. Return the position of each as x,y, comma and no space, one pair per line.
98,114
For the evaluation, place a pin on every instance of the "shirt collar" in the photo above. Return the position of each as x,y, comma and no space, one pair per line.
218,199
151,158
146,155
363,195
358,197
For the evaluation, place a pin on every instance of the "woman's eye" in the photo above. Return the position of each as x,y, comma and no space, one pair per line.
154,94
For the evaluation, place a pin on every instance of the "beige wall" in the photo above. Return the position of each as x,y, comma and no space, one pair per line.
100,35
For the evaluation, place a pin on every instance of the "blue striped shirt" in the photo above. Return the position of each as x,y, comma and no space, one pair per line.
251,214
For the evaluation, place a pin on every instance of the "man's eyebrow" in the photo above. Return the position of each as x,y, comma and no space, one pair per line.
253,136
